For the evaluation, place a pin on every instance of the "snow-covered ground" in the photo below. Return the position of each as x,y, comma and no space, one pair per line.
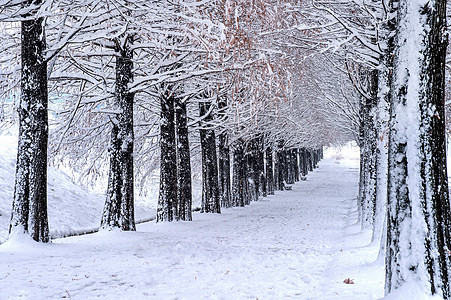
298,244
71,208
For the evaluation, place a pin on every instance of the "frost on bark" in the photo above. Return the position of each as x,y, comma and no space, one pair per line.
418,238
368,145
224,162
303,161
29,212
261,167
290,177
239,183
184,193
295,155
210,183
269,171
281,169
382,117
119,206
253,168
167,199
310,160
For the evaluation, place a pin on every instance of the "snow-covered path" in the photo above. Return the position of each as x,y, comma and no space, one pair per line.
298,244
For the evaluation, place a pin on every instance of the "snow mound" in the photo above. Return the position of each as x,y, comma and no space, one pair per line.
72,209
411,290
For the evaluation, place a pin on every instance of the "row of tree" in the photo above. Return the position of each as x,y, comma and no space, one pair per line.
112,76
251,87
397,65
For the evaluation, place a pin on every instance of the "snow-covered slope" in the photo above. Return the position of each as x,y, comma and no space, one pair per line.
71,208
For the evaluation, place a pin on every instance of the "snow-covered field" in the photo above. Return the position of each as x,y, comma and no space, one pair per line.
298,244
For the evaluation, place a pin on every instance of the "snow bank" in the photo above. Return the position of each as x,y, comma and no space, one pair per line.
72,209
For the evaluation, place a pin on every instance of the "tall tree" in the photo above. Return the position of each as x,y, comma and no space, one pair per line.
224,159
119,206
29,213
167,199
184,193
210,184
269,170
419,217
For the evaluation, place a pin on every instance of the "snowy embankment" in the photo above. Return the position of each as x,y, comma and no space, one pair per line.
299,244
72,209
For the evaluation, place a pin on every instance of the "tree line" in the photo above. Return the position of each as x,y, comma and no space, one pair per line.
98,81
255,88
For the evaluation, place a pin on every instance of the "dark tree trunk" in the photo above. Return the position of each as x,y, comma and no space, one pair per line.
29,212
253,168
306,164
210,184
119,205
419,220
368,144
167,199
239,177
269,171
296,164
276,170
281,166
184,193
224,163
224,171
290,168
261,168
310,160
315,158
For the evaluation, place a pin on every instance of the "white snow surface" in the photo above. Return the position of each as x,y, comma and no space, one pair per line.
298,244
71,208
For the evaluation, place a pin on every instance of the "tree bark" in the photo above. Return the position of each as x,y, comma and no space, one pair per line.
281,169
210,184
29,212
184,189
224,163
296,164
119,205
239,184
418,238
269,171
167,199
369,147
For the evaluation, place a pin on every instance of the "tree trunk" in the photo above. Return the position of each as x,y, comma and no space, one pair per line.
224,162
382,118
296,164
29,212
261,168
369,145
210,184
167,199
269,171
310,160
253,168
290,167
239,177
224,171
281,169
119,205
303,162
184,193
418,238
